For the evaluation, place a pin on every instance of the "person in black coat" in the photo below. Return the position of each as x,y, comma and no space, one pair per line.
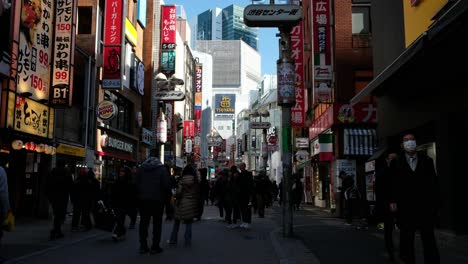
58,189
246,184
415,198
83,196
385,172
347,185
122,196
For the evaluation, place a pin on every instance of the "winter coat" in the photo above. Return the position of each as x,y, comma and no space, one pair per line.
123,194
153,181
59,186
416,192
187,198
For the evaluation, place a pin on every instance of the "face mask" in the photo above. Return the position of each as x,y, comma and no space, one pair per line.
410,145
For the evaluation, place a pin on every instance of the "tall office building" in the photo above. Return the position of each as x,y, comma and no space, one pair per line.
225,24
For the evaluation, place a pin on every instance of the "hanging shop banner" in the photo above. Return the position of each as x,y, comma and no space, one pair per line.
168,39
297,45
197,115
189,128
31,117
146,136
225,106
322,51
63,56
112,52
35,48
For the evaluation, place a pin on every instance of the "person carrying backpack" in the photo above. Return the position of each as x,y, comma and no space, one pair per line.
351,196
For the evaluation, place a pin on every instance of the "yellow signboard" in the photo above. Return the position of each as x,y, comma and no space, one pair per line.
70,150
29,116
418,17
131,32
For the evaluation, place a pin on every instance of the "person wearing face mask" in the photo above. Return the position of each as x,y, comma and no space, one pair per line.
414,197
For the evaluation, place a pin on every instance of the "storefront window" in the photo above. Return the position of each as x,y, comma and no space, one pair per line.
123,120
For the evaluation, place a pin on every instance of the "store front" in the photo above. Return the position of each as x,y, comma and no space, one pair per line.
113,152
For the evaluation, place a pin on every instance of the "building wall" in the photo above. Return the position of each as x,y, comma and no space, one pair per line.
387,16
349,56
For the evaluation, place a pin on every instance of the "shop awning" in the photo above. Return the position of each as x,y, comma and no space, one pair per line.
359,141
433,35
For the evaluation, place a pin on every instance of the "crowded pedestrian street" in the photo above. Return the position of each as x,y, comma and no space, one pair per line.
319,239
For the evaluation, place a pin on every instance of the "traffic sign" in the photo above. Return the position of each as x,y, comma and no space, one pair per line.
260,125
272,15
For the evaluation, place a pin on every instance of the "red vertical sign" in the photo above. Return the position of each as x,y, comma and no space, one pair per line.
189,128
112,52
297,43
168,25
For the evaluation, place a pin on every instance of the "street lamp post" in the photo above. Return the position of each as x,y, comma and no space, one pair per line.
163,83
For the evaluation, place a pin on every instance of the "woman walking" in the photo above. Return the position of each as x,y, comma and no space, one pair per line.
187,203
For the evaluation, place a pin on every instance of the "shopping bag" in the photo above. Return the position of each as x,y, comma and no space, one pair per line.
9,222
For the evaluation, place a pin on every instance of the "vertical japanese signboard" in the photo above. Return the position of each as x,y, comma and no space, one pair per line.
323,73
112,53
189,128
297,44
168,39
35,48
198,111
63,56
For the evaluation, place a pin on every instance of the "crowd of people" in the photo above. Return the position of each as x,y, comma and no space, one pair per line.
151,191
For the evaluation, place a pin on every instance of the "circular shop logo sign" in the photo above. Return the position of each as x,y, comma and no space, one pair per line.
106,110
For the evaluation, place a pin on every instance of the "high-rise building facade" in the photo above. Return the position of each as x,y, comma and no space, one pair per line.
225,24
233,27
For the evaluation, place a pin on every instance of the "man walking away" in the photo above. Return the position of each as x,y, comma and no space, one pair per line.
351,195
154,191
415,197
383,180
59,186
246,192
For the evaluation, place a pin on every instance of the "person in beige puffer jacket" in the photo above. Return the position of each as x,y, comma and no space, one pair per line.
187,203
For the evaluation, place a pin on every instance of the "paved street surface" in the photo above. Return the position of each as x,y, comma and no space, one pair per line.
319,239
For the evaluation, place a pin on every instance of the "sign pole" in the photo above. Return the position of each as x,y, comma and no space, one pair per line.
286,98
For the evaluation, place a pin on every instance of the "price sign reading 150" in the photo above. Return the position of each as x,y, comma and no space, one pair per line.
63,27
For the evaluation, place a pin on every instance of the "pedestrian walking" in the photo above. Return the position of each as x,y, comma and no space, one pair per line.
123,193
415,197
153,192
220,187
58,189
170,210
232,198
204,191
351,196
187,204
383,183
246,195
83,196
133,213
297,191
261,193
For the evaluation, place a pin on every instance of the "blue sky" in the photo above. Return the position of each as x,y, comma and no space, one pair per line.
268,42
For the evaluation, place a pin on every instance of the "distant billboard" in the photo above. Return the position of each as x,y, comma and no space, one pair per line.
225,106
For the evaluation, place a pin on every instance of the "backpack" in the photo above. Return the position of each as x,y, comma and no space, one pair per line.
352,193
